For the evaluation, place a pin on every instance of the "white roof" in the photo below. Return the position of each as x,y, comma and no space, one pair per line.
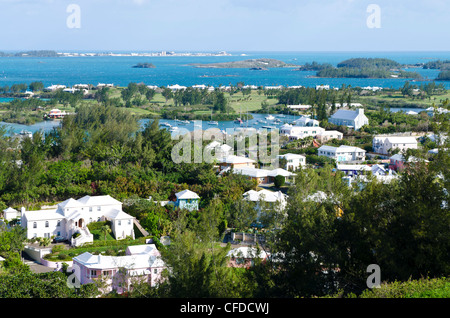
291,156
280,171
10,209
265,195
42,215
247,252
117,215
187,194
131,262
148,249
330,132
354,167
401,140
252,172
98,200
235,159
70,203
345,114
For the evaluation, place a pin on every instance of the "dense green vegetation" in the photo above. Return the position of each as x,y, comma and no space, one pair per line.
439,65
400,226
39,53
443,76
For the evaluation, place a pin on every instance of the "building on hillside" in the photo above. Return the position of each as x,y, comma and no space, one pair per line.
306,121
187,199
354,119
72,217
263,176
219,150
293,161
266,200
328,135
385,144
235,162
298,132
142,263
342,153
245,256
10,214
398,162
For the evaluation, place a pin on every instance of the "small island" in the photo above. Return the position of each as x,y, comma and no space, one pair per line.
361,68
144,65
262,63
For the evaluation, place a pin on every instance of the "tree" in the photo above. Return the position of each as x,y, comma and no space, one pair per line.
105,230
36,86
220,102
279,181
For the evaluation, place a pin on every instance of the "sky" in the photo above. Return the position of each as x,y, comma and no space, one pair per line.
225,25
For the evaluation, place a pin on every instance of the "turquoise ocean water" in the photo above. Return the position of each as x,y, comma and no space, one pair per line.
171,70
176,69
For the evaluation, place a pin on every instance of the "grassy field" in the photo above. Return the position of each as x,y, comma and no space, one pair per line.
398,100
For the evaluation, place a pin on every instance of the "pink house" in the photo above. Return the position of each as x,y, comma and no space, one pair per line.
142,263
397,162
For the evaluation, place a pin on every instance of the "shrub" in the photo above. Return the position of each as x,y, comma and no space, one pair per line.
279,181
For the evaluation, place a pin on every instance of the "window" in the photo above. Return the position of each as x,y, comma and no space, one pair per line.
129,222
92,273
106,273
34,225
58,223
119,222
90,209
58,234
155,271
99,208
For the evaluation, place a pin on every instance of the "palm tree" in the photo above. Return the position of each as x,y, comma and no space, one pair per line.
105,229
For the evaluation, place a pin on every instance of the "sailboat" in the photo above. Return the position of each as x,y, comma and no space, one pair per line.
212,122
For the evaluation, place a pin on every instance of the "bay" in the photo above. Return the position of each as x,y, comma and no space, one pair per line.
170,70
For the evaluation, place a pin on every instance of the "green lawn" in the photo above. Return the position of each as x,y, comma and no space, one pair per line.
396,99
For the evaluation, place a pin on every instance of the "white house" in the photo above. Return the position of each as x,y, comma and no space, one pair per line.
272,199
299,107
10,214
343,153
384,144
327,135
219,150
350,118
73,216
298,132
142,263
293,161
263,176
234,162
306,121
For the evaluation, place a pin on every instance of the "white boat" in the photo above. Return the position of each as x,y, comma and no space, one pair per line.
270,117
213,122
174,128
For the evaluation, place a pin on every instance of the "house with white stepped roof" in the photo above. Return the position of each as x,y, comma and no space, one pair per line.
72,216
142,263
351,118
